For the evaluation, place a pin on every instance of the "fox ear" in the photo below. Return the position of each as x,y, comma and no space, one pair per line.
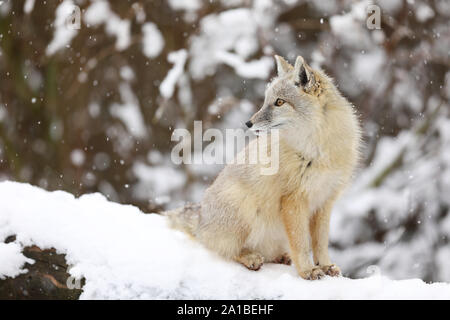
283,66
303,75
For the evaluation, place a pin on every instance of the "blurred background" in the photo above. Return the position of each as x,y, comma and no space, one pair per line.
89,105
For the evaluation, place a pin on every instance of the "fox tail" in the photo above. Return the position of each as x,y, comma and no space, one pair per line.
185,218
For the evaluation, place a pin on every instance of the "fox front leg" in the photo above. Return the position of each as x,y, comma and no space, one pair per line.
319,228
295,214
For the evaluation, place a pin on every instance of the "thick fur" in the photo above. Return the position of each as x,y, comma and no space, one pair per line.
253,218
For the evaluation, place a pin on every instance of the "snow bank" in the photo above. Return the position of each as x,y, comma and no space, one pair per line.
125,254
11,260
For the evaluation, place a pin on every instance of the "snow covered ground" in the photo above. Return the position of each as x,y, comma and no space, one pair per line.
125,254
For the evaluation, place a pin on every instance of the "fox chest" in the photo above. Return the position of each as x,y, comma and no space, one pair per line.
320,187
315,182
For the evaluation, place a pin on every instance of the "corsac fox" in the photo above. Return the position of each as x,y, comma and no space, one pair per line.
253,218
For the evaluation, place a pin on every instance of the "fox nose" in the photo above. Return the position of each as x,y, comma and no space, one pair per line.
249,124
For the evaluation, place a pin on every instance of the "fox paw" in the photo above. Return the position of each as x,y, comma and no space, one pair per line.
315,273
331,270
252,261
283,259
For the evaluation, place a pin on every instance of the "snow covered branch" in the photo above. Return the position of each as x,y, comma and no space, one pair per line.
120,252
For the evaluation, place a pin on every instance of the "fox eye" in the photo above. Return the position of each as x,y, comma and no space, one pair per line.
279,102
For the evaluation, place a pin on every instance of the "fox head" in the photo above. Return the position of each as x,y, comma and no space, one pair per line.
291,102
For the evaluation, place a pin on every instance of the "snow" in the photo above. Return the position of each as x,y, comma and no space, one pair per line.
125,254
232,30
153,41
325,6
156,180
424,12
12,260
258,69
5,7
28,6
188,5
3,113
77,157
347,27
127,73
232,3
443,7
397,200
178,59
99,12
129,112
367,67
390,6
442,258
139,11
63,34
403,95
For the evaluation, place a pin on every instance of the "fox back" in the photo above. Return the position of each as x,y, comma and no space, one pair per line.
253,218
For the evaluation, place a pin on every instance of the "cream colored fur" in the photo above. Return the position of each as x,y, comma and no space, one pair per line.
253,218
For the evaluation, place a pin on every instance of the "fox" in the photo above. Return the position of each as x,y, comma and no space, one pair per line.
281,218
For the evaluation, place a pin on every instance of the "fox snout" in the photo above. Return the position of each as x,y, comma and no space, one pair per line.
261,119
